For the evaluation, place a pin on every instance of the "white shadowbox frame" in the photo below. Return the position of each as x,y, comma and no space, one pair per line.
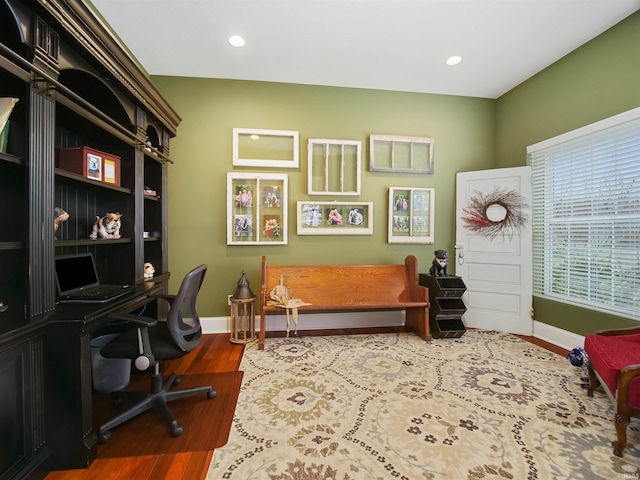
335,218
257,209
265,148
397,154
334,167
411,215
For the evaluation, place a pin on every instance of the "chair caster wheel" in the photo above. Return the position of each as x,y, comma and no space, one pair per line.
212,394
176,381
176,430
104,437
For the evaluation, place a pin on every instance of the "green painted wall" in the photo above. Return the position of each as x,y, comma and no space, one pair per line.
462,127
596,81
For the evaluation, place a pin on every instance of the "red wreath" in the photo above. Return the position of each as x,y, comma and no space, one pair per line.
475,216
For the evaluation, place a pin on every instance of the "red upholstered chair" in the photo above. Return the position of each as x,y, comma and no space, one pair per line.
614,357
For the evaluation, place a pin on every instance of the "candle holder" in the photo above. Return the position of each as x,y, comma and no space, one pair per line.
243,315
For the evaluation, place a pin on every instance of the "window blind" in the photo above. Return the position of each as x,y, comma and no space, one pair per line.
586,216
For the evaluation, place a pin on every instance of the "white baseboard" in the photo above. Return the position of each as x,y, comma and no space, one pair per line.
557,336
312,321
211,325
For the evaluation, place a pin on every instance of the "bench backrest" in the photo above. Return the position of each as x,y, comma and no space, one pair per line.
343,285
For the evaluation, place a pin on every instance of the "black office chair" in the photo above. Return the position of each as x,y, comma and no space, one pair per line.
151,342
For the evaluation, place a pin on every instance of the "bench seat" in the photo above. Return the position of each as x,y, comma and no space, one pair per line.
336,288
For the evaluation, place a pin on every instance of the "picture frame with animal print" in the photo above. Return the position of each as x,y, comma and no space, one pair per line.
334,218
257,208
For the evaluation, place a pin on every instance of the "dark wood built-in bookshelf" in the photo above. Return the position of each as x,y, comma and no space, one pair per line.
77,86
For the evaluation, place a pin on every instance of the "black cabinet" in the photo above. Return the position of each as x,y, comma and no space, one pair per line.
23,449
447,307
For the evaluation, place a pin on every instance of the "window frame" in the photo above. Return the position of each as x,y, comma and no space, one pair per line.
600,268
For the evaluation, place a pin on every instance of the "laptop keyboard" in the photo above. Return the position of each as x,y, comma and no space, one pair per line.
102,291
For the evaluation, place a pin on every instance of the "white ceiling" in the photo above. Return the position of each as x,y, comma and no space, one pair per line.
381,44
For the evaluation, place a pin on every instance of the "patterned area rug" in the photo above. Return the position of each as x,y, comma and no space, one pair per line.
486,405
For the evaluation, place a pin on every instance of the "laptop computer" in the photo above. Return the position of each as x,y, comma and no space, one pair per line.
77,281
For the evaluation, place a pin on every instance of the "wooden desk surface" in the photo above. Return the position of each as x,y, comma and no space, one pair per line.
90,313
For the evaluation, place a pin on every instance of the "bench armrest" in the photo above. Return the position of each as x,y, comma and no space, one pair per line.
625,377
619,331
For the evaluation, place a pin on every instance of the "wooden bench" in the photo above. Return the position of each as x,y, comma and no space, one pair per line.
332,288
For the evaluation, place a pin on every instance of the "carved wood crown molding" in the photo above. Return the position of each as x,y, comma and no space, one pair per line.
78,18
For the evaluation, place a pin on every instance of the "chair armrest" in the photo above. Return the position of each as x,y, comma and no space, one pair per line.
619,331
137,319
164,296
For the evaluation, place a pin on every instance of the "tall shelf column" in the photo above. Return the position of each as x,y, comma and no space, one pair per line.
40,168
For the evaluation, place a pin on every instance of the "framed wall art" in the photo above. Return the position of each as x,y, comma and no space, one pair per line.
334,167
256,209
265,148
335,218
396,154
411,215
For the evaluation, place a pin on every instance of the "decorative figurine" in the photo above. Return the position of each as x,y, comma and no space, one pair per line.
59,216
439,265
149,270
578,357
107,226
280,294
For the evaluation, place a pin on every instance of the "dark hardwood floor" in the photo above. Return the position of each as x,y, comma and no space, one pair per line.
214,354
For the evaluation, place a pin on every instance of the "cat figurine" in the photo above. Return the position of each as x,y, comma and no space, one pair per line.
107,226
439,265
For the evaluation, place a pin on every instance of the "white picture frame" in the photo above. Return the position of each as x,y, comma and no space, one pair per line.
334,167
334,218
411,215
399,154
257,208
265,148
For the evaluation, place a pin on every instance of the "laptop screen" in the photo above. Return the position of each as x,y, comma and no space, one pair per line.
75,271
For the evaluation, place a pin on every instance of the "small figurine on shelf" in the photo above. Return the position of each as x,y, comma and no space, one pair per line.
149,270
439,265
107,226
59,216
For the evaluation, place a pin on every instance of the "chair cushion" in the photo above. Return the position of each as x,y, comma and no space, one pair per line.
610,354
126,344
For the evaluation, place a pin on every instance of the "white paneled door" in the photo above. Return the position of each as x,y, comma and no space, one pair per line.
494,248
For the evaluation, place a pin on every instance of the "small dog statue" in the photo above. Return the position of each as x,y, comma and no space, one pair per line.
439,265
107,226
578,357
149,270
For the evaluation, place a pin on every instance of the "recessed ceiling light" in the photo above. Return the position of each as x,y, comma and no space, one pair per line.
237,41
455,60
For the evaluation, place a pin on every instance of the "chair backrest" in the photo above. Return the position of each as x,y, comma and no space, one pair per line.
183,321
